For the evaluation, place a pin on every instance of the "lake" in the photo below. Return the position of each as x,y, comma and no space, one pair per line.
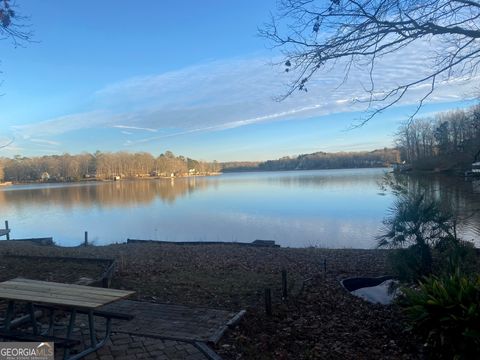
324,208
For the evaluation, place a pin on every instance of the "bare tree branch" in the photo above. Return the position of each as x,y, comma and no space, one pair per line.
313,34
12,25
7,143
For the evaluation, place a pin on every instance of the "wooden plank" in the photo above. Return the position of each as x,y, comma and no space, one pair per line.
69,258
35,297
59,294
256,243
99,313
4,232
55,298
46,241
48,288
55,294
182,310
82,288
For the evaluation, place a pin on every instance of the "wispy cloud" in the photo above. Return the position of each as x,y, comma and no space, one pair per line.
45,142
236,92
133,128
67,123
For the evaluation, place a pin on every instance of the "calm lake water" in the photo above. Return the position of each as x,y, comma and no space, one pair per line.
325,208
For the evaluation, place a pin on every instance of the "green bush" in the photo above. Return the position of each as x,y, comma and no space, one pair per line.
424,238
409,265
446,312
451,255
414,227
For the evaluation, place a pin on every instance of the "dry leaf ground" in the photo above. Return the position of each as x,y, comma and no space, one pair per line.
320,320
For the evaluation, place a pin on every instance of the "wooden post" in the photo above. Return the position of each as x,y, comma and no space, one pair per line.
284,284
268,301
86,238
6,228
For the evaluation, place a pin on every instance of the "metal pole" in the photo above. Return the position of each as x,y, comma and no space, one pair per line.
284,284
91,326
268,301
9,315
71,325
33,318
86,238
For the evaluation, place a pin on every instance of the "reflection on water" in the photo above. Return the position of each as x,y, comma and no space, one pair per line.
103,194
383,293
328,208
461,196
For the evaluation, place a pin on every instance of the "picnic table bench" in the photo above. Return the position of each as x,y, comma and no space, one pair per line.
69,298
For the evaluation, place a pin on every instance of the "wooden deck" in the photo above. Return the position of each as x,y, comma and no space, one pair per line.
4,232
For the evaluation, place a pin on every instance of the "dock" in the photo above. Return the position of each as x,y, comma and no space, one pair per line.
6,231
45,241
256,243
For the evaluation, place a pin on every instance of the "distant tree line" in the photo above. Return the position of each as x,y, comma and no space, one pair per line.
321,160
100,165
445,141
240,166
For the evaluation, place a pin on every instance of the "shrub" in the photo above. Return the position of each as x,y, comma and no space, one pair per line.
450,255
422,231
446,312
408,265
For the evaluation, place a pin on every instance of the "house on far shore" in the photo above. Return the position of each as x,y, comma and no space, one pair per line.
401,167
476,167
45,176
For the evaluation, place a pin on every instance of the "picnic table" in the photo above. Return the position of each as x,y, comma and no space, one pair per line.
69,298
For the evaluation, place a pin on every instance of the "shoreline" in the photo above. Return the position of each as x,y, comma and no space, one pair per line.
457,173
92,180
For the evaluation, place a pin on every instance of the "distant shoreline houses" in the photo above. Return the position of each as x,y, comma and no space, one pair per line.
101,166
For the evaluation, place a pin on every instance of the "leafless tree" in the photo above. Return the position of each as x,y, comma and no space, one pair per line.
13,25
317,34
68,167
445,141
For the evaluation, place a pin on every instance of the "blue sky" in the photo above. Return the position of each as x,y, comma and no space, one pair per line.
192,77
